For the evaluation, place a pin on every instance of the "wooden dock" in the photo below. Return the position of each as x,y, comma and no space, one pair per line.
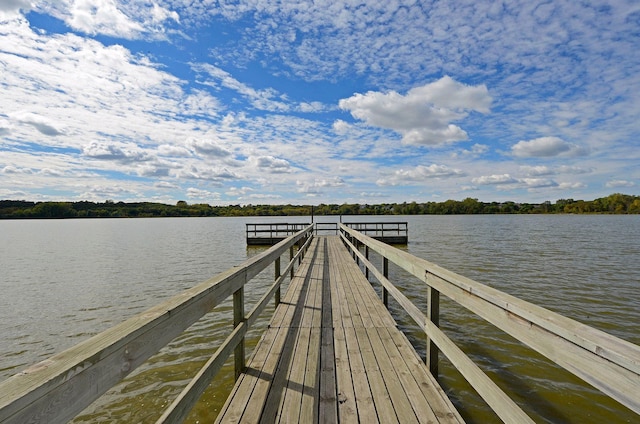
332,353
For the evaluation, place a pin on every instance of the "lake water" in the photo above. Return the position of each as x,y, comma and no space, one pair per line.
62,281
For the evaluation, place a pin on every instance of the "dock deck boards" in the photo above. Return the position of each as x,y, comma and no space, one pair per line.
332,353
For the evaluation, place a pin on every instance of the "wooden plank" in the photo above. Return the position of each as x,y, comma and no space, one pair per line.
364,399
438,401
401,404
328,398
311,387
302,375
381,396
294,381
346,397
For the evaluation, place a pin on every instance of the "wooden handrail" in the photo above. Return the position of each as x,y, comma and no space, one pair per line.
608,363
55,390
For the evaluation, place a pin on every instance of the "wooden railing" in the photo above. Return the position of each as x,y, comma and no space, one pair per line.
271,233
57,389
380,229
608,363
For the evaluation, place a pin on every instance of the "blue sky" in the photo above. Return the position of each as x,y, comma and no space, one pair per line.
308,102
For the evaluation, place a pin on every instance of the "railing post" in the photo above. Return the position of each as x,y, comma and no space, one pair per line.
238,317
433,313
291,259
385,272
366,255
277,275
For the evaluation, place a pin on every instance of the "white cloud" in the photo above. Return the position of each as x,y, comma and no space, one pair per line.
174,151
419,174
494,179
620,183
10,9
102,17
10,169
5,127
571,185
543,170
196,193
238,191
538,182
476,150
209,148
43,125
272,164
423,116
545,147
128,20
340,127
115,152
317,186
215,175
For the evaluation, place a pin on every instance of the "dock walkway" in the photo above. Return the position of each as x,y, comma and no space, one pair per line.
332,353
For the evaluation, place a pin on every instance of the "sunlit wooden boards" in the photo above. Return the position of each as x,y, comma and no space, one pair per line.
332,353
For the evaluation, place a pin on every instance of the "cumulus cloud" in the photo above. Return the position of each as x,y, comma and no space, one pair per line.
10,9
196,193
494,179
129,20
340,127
571,185
317,186
506,181
419,174
213,174
209,148
425,114
545,147
620,183
173,151
543,170
238,191
475,150
5,127
272,164
10,169
43,125
116,152
538,182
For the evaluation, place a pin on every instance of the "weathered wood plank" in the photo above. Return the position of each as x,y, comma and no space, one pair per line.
381,395
438,401
294,380
363,394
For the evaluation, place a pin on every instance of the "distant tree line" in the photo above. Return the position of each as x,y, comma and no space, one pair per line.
19,209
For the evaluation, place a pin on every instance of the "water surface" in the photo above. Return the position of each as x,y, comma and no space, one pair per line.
63,281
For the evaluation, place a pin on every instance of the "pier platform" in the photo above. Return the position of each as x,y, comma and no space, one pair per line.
332,353
268,234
